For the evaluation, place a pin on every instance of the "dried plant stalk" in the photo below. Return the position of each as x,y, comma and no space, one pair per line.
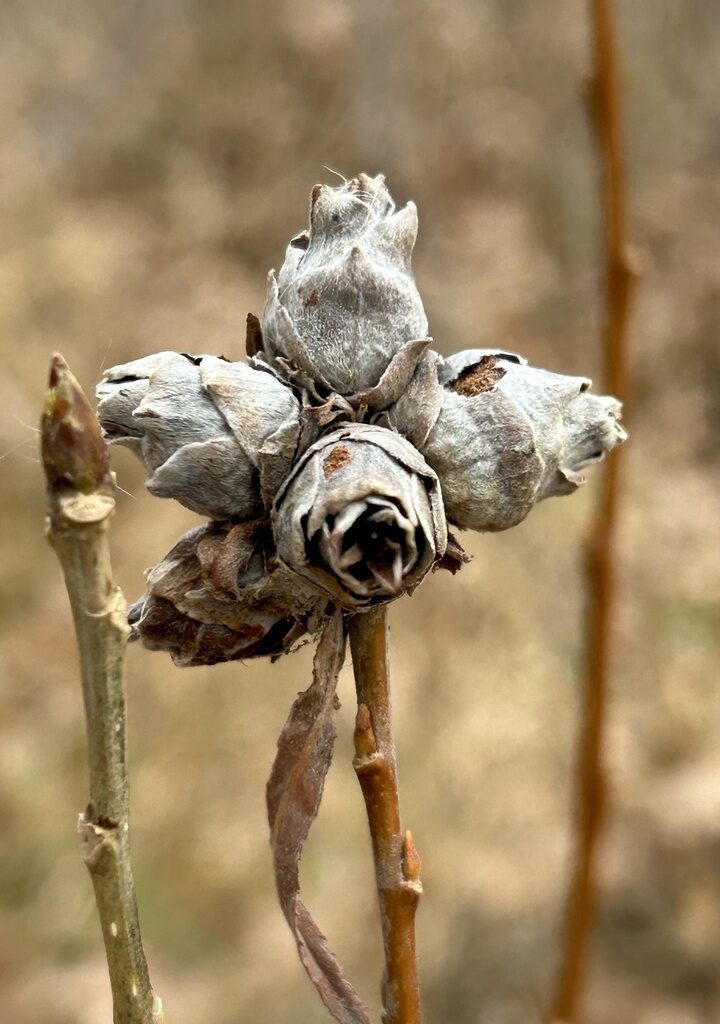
397,865
606,109
80,506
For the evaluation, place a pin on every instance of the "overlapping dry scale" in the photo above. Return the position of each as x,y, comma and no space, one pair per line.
218,436
221,595
345,300
344,443
361,517
509,435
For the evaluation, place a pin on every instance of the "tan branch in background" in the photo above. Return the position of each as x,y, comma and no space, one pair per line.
80,506
606,111
397,865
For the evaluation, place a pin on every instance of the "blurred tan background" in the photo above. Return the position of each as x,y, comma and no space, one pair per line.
155,160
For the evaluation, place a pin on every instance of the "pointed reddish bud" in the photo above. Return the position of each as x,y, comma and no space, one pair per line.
410,858
74,454
365,743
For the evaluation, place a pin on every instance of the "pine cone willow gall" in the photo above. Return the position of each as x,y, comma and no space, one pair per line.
509,435
345,302
329,462
217,436
329,465
220,595
361,516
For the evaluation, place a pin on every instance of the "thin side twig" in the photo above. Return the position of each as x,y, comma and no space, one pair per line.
397,865
618,272
80,506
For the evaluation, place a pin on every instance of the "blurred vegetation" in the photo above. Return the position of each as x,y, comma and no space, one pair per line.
156,159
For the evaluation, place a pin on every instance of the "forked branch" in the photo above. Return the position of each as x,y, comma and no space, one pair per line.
397,865
80,504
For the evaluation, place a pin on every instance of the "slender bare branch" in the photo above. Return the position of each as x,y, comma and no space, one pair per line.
397,865
606,110
80,506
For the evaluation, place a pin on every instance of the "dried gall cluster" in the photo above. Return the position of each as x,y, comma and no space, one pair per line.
331,462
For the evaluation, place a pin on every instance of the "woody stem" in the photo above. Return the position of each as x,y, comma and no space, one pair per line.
397,866
80,506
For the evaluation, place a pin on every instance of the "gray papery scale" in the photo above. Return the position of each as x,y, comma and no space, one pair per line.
591,429
509,435
217,436
345,301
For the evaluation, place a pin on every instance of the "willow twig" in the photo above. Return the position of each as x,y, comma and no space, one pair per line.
606,110
397,865
80,506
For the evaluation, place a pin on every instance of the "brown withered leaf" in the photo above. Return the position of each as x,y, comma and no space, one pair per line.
253,336
294,792
455,556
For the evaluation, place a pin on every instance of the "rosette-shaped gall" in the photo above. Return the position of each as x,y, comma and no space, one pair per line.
345,301
361,516
218,436
509,435
221,595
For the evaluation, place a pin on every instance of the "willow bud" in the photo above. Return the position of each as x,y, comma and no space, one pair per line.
221,595
361,517
345,301
217,436
509,435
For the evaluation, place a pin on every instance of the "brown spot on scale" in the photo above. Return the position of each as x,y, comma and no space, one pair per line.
477,378
340,456
312,299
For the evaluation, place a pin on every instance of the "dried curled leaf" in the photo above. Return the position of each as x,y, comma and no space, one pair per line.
220,595
294,791
218,436
361,517
345,301
509,435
